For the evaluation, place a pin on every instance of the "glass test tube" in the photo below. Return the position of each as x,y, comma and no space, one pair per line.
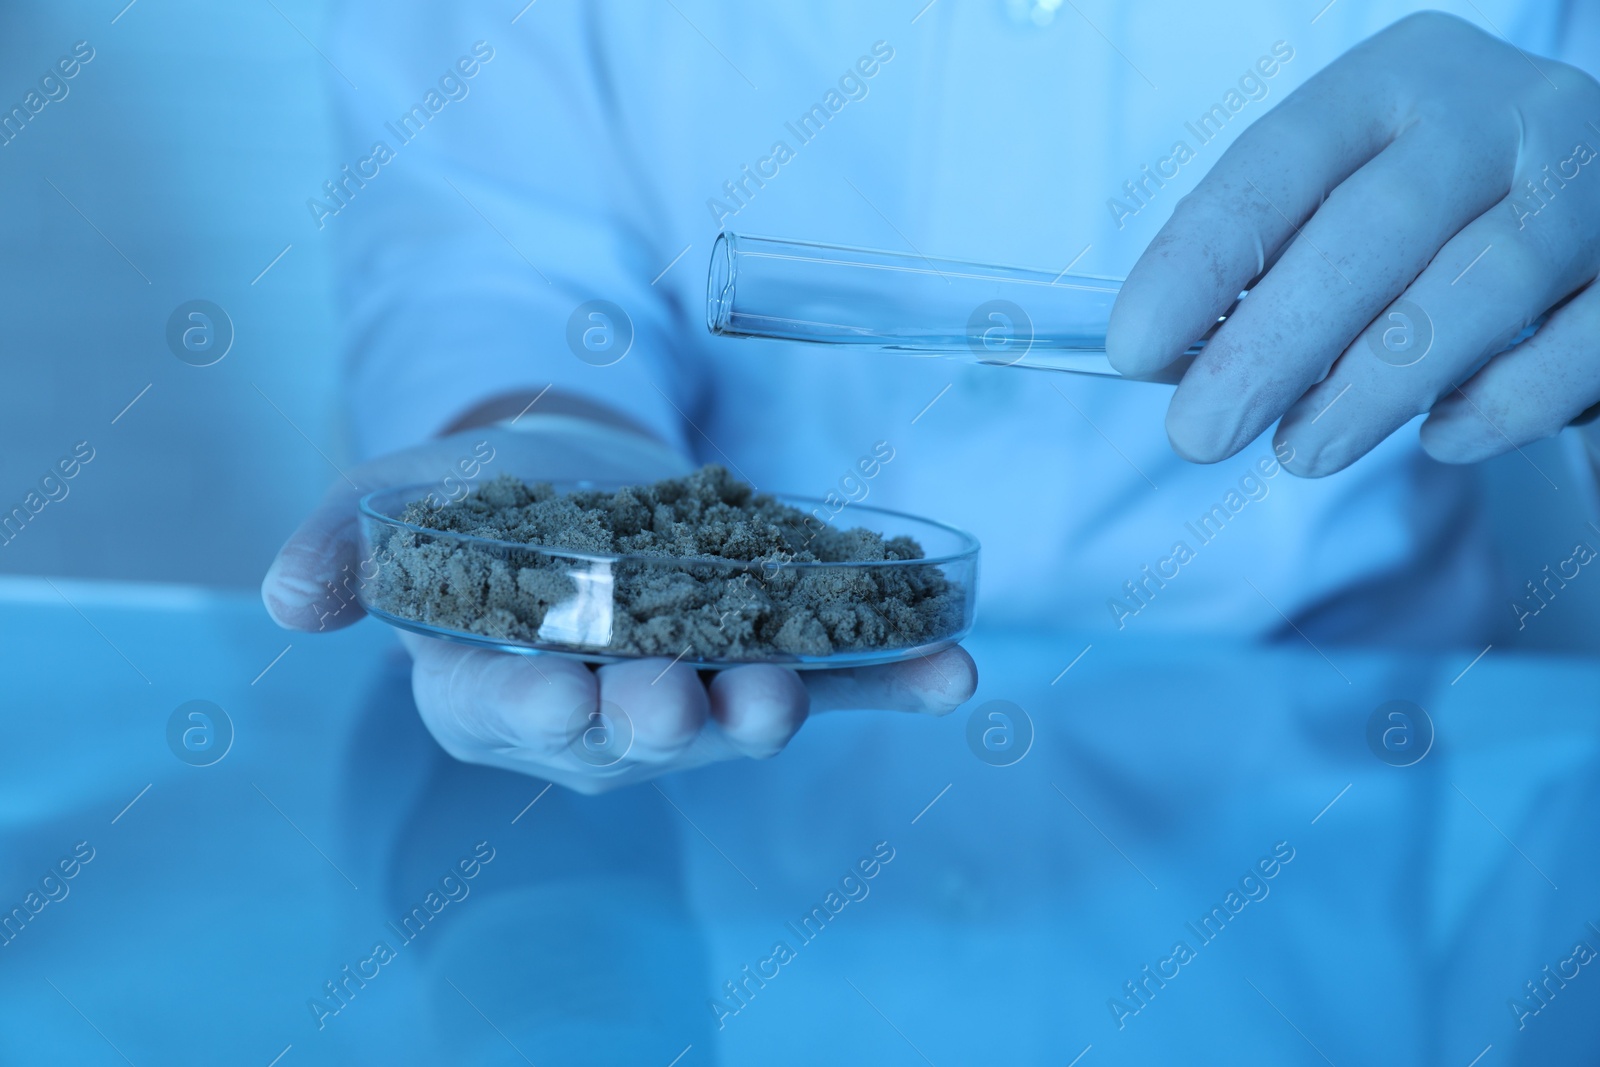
904,302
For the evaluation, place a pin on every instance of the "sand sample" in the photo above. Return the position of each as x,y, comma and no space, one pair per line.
677,591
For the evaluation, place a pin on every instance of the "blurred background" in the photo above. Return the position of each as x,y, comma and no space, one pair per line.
176,168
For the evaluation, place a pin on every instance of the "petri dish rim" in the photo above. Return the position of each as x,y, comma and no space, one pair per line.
969,550
795,661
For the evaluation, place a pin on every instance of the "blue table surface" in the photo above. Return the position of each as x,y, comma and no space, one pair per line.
220,901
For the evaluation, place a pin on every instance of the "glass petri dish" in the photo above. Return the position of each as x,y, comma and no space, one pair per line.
706,612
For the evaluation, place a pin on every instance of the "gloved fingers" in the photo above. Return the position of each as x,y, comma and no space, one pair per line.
1365,244
1482,289
1531,392
519,712
592,730
1428,71
558,719
665,705
312,582
935,684
759,707
1247,207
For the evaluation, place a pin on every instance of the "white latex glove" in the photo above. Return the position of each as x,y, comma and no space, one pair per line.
1392,191
518,712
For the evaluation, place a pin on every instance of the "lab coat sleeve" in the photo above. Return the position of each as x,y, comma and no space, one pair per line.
485,190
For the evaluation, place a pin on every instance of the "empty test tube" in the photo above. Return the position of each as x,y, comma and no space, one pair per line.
913,304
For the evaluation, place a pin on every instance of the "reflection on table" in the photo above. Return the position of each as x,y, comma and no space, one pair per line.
1204,853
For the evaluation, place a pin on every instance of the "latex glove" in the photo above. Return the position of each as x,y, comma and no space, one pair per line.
518,712
1392,190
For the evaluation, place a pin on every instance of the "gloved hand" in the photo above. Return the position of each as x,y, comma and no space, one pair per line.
518,712
1414,205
